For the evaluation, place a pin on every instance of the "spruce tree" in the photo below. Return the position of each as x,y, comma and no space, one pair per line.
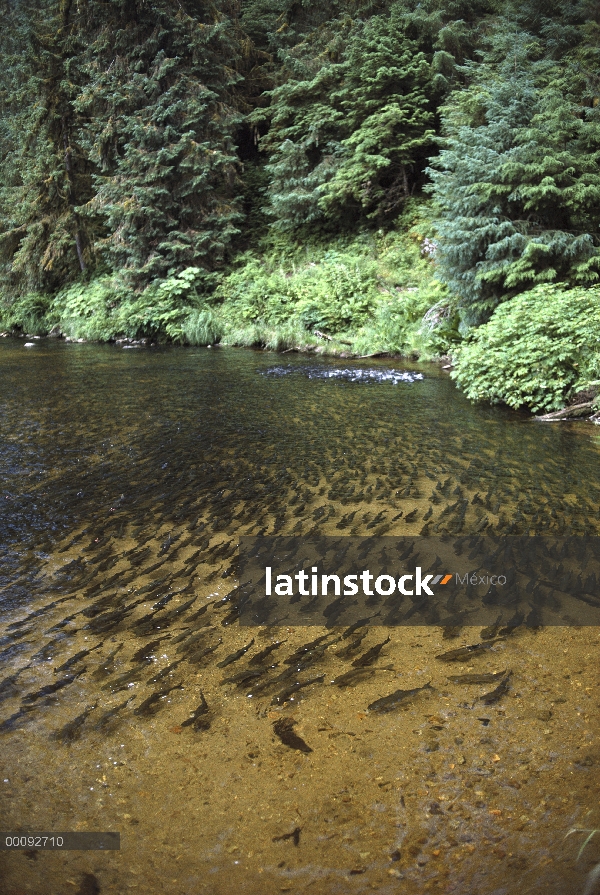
517,184
349,127
43,239
160,133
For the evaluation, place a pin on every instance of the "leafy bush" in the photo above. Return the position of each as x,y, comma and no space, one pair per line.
534,350
88,310
105,308
163,308
337,291
27,313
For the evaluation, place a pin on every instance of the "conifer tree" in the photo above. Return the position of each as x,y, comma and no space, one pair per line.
43,240
517,184
349,127
158,100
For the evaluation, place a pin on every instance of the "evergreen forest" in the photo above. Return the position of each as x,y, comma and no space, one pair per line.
346,177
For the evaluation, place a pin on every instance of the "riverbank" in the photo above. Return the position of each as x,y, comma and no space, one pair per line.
371,295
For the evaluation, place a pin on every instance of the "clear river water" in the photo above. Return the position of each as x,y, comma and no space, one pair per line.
127,477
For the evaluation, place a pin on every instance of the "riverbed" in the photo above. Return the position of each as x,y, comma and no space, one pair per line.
127,477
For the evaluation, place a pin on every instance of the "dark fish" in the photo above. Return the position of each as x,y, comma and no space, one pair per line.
36,614
289,692
178,610
194,639
122,681
153,568
13,650
198,613
233,657
53,688
355,675
166,544
12,722
388,703
8,687
258,658
272,682
295,835
151,705
464,652
352,647
196,658
305,648
77,658
371,654
491,631
145,653
154,585
283,728
184,635
16,635
496,695
243,677
109,620
107,666
160,604
165,672
476,678
199,718
99,606
109,716
362,622
72,731
62,624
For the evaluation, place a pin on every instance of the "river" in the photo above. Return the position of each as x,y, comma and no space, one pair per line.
127,477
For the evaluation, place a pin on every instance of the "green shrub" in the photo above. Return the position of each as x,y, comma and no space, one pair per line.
88,310
372,291
26,313
106,308
534,350
332,292
163,309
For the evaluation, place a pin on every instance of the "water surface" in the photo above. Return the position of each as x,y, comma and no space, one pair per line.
126,480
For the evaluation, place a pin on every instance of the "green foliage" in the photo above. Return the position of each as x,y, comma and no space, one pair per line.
366,294
202,327
88,310
332,294
518,183
160,135
534,350
106,308
350,126
26,313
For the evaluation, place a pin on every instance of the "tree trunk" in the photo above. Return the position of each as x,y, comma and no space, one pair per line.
69,170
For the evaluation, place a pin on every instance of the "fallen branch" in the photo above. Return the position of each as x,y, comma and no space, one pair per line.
568,413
